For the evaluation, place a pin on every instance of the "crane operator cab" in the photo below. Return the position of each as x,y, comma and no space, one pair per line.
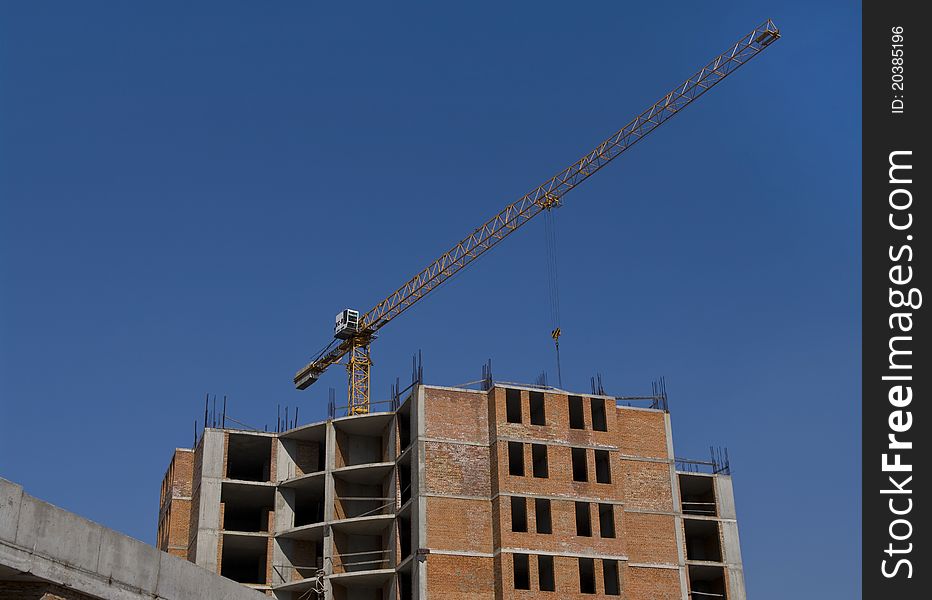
347,324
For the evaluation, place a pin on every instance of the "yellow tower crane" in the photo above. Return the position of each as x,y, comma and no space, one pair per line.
353,334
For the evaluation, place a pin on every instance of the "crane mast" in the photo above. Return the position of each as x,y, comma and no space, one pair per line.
354,333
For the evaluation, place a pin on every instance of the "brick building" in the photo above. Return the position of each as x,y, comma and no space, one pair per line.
507,493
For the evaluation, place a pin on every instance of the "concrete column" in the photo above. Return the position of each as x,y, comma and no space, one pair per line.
731,545
731,550
285,451
677,509
725,497
208,534
330,448
284,508
284,498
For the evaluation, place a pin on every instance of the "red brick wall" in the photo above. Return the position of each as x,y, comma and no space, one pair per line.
461,416
651,538
175,504
566,579
647,485
268,560
651,584
178,527
226,452
642,433
460,577
195,501
183,472
563,538
220,550
560,473
465,454
459,524
557,417
461,469
456,469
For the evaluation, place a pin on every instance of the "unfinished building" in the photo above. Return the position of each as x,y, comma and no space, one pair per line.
507,492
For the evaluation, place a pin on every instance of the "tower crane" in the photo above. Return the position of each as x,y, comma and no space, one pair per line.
354,333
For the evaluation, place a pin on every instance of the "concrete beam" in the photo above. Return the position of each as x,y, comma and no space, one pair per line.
46,542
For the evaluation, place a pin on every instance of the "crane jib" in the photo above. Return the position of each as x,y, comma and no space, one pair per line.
548,194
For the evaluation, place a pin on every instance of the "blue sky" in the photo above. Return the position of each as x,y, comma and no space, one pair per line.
188,194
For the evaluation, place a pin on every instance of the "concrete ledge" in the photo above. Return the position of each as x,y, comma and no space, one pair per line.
11,497
43,541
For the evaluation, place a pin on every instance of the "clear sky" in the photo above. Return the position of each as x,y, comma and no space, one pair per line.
189,193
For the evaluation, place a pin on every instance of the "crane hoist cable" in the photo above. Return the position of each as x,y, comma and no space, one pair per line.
356,331
553,283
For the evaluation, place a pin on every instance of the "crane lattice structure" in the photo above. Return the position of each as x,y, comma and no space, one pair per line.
354,335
